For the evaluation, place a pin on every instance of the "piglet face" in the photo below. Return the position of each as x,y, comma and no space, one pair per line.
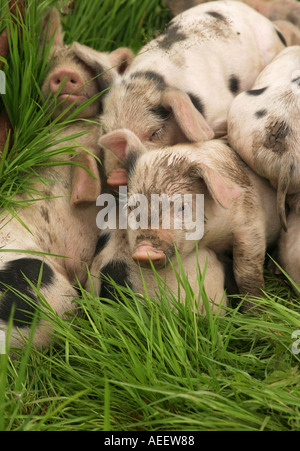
159,115
71,82
77,73
165,209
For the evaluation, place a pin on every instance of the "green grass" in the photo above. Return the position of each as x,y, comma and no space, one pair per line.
145,365
140,364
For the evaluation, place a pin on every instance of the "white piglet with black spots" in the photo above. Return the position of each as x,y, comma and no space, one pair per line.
180,85
263,127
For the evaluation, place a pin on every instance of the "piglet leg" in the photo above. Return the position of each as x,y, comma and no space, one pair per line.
248,260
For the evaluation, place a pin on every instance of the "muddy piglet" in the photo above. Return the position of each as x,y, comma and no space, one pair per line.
239,206
263,127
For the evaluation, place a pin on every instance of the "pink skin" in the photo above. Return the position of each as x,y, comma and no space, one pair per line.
117,177
70,84
146,252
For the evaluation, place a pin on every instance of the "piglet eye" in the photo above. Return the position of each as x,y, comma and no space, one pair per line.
156,134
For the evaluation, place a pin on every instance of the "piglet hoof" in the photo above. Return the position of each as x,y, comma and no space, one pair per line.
117,177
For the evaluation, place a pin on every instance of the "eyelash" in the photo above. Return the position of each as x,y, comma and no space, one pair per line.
157,133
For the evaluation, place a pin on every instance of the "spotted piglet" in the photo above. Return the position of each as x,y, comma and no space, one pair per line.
51,237
285,15
239,206
180,85
263,127
287,11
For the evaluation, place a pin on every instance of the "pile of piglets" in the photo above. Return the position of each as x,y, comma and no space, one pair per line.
208,108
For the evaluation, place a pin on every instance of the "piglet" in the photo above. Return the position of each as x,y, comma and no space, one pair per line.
48,242
239,206
263,127
283,10
113,260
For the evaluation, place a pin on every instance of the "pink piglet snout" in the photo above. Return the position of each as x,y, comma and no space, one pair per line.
68,80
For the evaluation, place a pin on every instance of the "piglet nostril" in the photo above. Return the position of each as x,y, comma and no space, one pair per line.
68,79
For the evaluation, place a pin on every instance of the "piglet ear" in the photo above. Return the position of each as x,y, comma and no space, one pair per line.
99,62
121,59
86,185
106,65
121,142
223,191
52,28
188,118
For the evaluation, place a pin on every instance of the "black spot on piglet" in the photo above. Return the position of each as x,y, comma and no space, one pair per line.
296,81
130,163
151,76
13,285
234,84
170,36
197,102
118,271
161,112
261,113
216,15
102,242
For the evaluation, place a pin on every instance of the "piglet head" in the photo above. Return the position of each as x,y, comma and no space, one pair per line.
78,73
129,150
